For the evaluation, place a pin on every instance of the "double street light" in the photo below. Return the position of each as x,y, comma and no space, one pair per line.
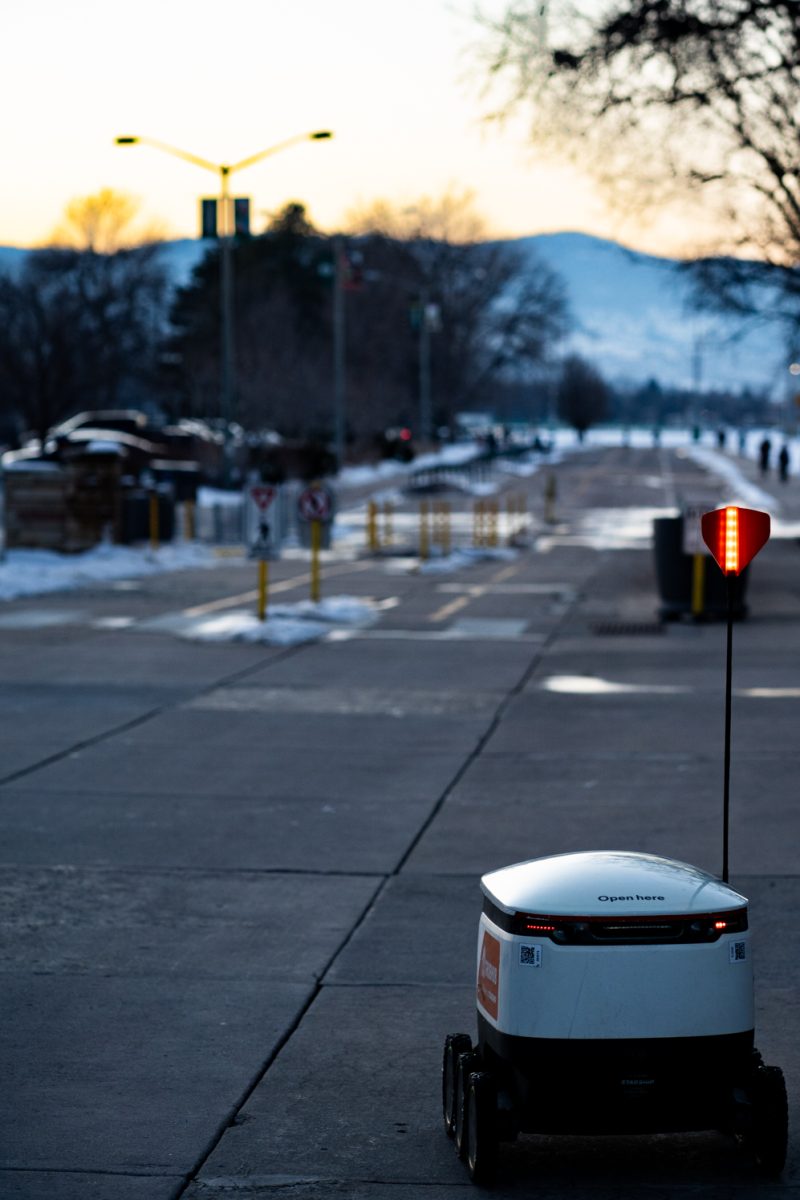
224,172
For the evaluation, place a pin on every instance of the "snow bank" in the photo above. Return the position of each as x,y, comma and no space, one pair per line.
35,572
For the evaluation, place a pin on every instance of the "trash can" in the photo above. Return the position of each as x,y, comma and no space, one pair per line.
134,516
674,577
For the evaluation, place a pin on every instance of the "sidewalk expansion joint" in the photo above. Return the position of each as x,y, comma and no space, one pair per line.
284,1039
489,733
135,722
155,1173
316,990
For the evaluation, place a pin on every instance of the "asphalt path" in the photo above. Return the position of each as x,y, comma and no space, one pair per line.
239,883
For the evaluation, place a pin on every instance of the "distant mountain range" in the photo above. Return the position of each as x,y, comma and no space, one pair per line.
634,320
632,316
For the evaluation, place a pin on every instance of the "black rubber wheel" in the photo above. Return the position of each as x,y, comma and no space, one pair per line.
465,1065
481,1127
454,1044
769,1133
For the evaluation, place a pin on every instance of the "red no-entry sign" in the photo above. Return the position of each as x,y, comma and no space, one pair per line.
734,536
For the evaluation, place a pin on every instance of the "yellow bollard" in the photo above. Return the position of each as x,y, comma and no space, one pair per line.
388,528
316,539
424,532
441,525
493,514
373,544
478,523
515,512
550,493
263,580
698,584
188,520
154,529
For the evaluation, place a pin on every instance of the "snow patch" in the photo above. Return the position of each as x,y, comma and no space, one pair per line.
285,624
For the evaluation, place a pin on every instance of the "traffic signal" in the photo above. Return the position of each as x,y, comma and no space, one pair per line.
208,217
241,216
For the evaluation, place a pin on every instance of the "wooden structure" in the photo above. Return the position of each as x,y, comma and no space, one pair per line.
67,507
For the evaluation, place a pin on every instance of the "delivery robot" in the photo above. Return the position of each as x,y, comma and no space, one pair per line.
614,995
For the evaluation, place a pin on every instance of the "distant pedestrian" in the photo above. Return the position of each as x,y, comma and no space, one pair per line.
763,455
721,438
783,463
742,441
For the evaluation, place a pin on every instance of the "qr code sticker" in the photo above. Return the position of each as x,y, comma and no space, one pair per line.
738,951
530,956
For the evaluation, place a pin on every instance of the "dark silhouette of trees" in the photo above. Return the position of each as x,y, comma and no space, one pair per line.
583,397
433,306
282,283
79,330
490,313
496,309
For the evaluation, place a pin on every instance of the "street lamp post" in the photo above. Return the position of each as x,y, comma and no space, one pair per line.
791,395
224,171
339,376
428,316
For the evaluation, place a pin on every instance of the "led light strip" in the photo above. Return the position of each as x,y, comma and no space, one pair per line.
731,536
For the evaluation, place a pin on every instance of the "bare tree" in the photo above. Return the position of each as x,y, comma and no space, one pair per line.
708,89
79,330
674,99
451,217
103,222
487,309
497,308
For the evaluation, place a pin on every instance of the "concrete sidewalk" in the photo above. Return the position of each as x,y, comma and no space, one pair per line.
240,885
558,770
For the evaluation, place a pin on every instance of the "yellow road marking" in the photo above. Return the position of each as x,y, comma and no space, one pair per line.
472,592
285,585
447,610
505,573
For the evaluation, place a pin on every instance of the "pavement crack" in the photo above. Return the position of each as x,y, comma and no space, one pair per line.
488,734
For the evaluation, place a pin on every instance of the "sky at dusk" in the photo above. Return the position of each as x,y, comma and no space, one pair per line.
396,83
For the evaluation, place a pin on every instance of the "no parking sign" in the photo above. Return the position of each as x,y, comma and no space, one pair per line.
315,510
315,503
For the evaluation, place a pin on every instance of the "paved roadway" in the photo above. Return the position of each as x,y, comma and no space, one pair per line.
239,884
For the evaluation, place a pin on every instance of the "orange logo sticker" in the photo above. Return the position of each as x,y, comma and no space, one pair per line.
489,974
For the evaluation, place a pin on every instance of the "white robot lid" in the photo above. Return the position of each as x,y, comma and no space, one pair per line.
600,882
